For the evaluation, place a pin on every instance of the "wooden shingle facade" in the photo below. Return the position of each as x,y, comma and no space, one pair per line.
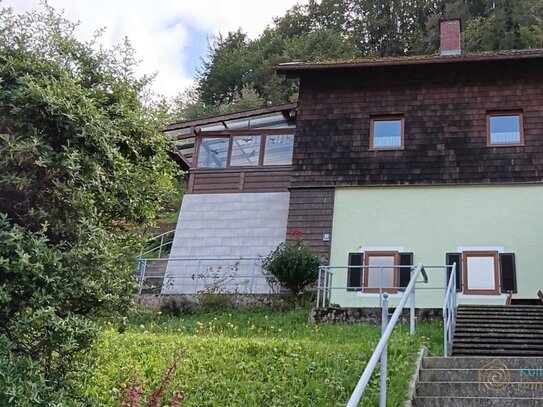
445,109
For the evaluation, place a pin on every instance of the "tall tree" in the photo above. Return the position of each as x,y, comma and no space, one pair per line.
82,167
351,29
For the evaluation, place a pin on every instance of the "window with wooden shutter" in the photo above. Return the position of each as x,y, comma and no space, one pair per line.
381,273
406,259
508,277
354,274
450,259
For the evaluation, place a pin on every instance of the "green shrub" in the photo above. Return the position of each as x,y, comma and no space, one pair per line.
293,265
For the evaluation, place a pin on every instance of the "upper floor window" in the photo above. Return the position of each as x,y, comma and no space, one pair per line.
505,129
213,152
387,133
245,151
249,150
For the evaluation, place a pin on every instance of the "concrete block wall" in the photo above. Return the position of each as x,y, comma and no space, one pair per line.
225,225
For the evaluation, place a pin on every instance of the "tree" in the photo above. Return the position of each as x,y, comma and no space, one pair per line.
352,29
82,168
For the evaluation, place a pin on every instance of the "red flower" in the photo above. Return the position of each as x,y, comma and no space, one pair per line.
296,233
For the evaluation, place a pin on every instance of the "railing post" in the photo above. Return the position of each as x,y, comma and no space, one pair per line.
319,287
252,276
412,309
143,266
380,286
160,247
197,276
329,288
384,323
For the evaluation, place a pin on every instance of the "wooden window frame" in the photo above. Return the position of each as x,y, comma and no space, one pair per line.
230,135
490,253
260,152
383,118
395,272
197,144
493,113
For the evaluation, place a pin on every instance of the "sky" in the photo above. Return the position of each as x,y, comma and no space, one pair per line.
170,36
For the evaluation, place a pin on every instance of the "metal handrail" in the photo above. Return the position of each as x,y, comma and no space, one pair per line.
449,312
200,262
326,273
380,351
160,246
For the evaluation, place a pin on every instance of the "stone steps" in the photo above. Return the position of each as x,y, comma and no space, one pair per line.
479,382
499,331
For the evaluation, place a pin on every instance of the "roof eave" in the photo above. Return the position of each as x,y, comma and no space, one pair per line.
294,69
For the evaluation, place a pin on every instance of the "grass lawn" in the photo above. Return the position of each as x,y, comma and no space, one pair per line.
252,358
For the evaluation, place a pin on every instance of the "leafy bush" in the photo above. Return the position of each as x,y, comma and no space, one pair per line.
82,169
293,264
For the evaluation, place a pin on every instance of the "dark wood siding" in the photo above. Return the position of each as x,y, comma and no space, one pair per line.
249,180
445,109
310,212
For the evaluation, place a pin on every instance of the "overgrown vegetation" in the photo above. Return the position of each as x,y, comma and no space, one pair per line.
239,73
252,358
82,169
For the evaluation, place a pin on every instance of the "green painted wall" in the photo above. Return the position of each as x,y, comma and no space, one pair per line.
433,220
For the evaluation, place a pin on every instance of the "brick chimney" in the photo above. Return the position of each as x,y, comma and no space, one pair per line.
449,31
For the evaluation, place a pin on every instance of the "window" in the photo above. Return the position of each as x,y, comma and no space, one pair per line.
480,272
387,133
364,270
278,149
213,152
245,151
485,272
381,271
505,129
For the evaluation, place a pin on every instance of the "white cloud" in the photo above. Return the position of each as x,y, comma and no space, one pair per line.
159,29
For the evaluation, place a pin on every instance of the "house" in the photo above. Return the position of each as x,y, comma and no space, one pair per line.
395,161
434,160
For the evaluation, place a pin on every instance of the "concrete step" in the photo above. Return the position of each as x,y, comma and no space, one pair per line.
536,339
526,334
505,389
524,330
473,362
473,375
500,317
502,344
499,307
504,325
155,269
493,322
495,352
504,311
429,401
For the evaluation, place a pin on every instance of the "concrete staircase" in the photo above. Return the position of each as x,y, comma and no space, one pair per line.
480,381
497,360
154,276
512,330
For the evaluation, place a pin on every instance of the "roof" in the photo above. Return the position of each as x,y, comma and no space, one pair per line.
293,68
232,116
